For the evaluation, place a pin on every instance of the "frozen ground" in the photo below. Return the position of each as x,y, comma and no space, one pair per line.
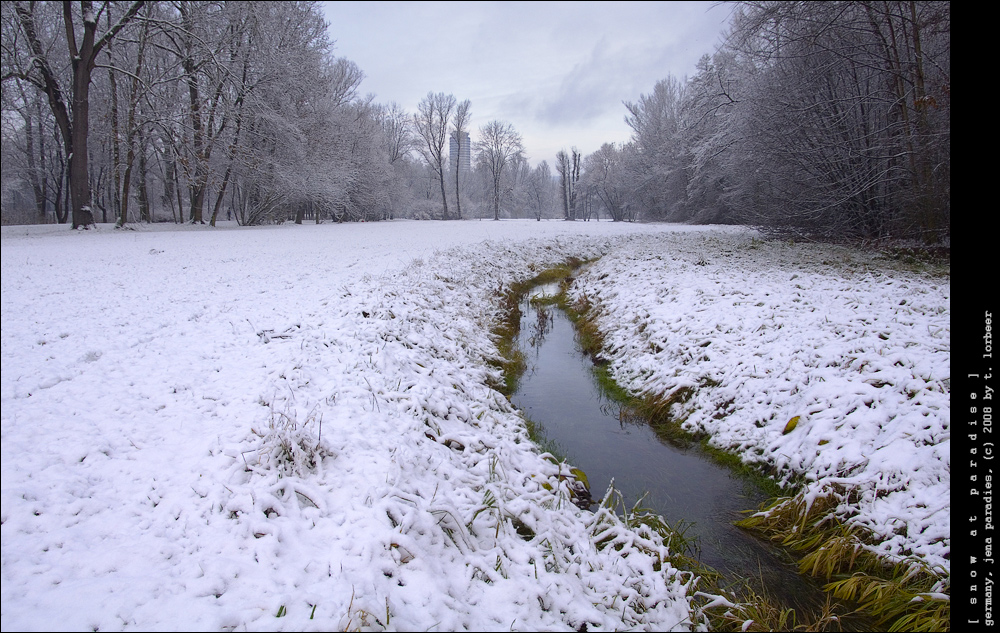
290,428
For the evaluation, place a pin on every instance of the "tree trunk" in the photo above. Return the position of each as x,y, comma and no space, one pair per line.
222,192
200,179
497,180
79,175
458,192
35,172
143,194
119,196
444,196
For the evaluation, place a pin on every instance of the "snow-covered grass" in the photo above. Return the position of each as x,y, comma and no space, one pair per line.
214,428
208,429
829,366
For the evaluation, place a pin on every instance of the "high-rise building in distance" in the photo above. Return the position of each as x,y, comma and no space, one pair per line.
462,154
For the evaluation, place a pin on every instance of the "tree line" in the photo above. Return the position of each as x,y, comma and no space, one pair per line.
825,119
191,111
828,119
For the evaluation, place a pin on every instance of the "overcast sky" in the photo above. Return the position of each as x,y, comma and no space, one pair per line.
557,71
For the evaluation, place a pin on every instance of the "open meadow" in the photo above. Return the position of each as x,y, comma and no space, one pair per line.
296,427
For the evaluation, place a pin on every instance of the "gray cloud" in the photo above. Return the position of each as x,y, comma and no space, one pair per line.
590,90
557,71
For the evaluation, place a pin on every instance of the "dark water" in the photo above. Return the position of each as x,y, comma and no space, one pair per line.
559,393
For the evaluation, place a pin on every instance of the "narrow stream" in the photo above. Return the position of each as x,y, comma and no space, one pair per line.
559,393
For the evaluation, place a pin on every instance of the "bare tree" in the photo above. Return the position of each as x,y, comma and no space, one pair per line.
568,166
656,122
72,118
499,145
26,154
540,190
396,131
843,118
706,140
398,143
431,121
606,177
236,103
133,93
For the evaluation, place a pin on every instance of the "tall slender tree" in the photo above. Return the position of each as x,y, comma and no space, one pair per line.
499,146
656,122
431,121
568,166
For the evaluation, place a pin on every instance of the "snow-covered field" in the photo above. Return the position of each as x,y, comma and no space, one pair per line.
290,427
147,379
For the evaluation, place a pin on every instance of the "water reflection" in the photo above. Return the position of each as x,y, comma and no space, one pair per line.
560,394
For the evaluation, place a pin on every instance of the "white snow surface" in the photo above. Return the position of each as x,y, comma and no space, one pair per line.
763,332
155,382
209,429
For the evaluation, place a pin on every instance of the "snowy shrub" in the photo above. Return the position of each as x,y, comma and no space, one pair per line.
425,210
290,446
